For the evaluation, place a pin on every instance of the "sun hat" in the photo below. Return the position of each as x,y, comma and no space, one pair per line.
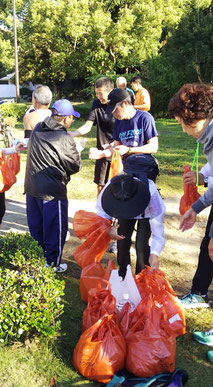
125,197
63,107
115,96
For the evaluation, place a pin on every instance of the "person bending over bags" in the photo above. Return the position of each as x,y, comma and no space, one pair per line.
127,199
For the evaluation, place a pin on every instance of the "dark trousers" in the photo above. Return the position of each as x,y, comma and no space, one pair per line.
2,206
203,276
48,225
126,228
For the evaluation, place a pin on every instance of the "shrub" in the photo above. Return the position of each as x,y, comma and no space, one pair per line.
31,295
83,109
15,110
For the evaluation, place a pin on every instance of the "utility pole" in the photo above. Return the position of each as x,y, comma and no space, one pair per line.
16,53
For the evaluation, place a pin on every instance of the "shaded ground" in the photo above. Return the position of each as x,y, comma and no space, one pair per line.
178,260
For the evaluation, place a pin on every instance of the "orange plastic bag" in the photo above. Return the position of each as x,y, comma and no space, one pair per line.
116,164
95,229
100,303
149,349
156,284
150,281
100,351
190,194
7,175
13,161
93,275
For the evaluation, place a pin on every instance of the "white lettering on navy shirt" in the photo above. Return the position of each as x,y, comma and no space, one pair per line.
129,134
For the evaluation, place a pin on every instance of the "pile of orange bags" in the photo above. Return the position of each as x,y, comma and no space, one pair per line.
190,194
144,340
9,167
149,332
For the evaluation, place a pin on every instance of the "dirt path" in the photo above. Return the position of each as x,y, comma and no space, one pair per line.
178,260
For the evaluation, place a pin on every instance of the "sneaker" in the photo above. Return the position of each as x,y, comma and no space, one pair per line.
61,268
210,355
113,248
204,337
193,300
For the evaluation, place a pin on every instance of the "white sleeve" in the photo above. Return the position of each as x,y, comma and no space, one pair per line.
157,212
206,170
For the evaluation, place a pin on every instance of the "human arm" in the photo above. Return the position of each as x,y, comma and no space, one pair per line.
113,234
150,147
9,151
69,156
96,154
82,130
188,220
191,178
156,212
153,261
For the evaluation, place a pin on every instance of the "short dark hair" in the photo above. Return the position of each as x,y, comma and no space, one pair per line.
193,102
104,82
136,79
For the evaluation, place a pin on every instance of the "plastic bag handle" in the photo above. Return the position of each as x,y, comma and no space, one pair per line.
110,265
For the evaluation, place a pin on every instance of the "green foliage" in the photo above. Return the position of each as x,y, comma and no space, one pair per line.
31,295
24,90
67,44
194,40
83,109
15,110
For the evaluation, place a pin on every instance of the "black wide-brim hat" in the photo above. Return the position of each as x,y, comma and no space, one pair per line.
126,197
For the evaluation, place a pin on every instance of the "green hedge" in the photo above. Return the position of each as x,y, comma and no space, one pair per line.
31,295
15,110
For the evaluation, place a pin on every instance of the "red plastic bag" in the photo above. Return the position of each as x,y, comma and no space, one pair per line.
156,284
100,303
13,162
7,175
116,164
92,275
190,194
149,349
150,281
100,351
95,229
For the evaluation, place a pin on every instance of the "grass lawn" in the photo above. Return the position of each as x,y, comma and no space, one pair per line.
35,364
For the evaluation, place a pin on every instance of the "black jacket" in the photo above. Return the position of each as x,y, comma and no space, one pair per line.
52,157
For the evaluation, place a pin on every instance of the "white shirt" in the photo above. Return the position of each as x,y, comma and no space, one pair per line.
155,211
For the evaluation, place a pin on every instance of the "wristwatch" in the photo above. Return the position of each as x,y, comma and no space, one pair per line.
206,181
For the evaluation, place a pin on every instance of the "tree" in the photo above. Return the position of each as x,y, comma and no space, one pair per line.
75,38
190,46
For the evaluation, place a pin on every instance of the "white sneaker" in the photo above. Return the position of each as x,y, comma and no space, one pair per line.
67,236
61,268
